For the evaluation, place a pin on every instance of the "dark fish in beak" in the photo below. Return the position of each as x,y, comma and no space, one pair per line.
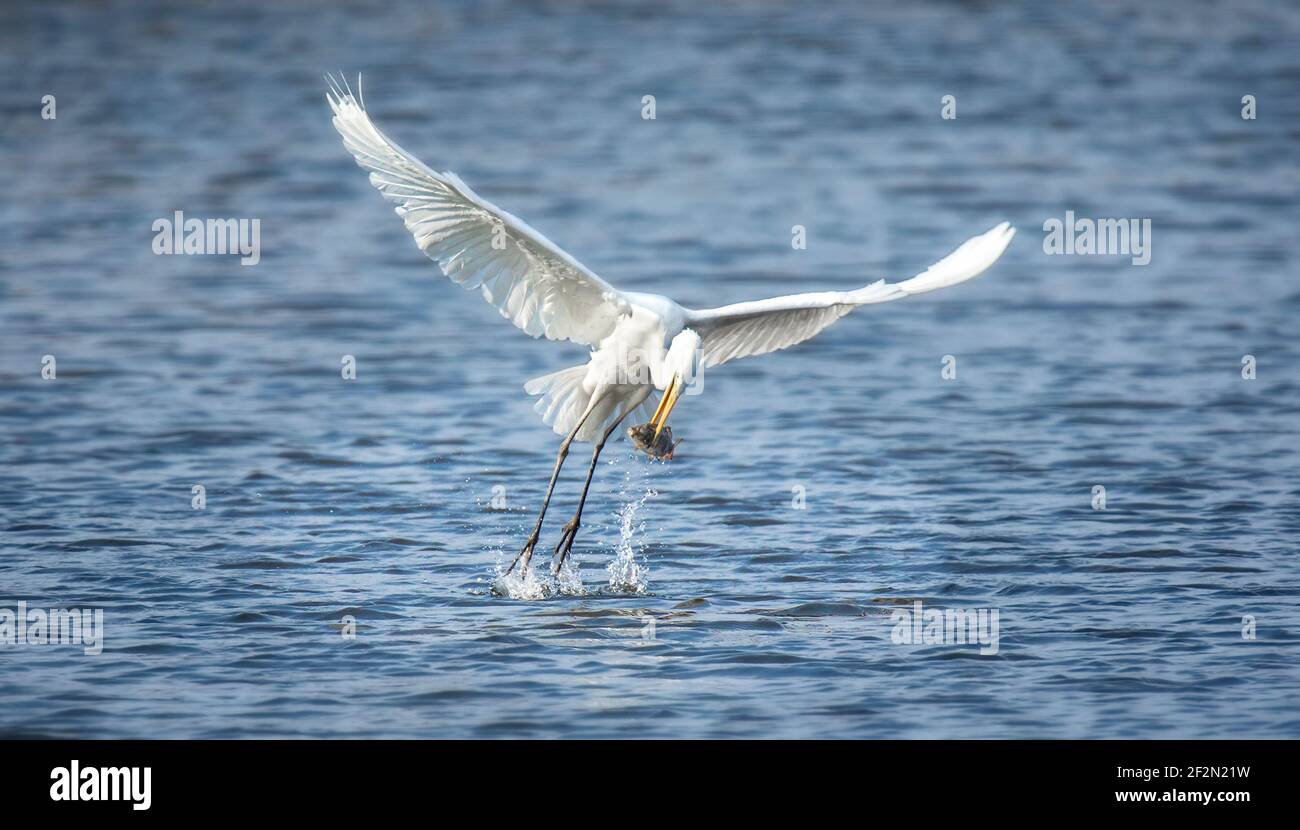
659,447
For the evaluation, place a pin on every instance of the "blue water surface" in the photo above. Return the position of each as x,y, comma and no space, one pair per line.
746,589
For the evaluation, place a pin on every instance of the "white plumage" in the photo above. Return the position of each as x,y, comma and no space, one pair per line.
640,342
533,283
545,291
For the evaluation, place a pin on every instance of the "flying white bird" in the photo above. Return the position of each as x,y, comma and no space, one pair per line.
639,342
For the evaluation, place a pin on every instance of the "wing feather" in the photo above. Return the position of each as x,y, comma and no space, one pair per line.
762,326
528,278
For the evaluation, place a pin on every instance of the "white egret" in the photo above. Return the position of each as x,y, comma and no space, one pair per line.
639,342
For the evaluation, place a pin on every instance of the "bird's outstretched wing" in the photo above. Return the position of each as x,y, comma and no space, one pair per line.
762,326
533,283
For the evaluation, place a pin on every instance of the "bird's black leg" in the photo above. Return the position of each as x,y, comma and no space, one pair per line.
527,553
571,528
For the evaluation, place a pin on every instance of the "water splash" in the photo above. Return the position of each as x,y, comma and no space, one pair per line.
568,581
523,583
628,572
536,581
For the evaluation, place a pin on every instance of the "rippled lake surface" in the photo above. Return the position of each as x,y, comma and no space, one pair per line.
709,605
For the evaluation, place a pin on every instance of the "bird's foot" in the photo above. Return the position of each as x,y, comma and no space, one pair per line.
565,545
525,555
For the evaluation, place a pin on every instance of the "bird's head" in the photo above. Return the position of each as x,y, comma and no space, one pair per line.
682,367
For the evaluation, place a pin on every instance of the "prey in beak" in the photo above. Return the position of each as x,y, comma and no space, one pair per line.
659,449
655,438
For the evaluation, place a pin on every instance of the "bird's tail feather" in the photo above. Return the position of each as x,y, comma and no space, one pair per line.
563,399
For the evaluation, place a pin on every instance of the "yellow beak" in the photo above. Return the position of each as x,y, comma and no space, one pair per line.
666,404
